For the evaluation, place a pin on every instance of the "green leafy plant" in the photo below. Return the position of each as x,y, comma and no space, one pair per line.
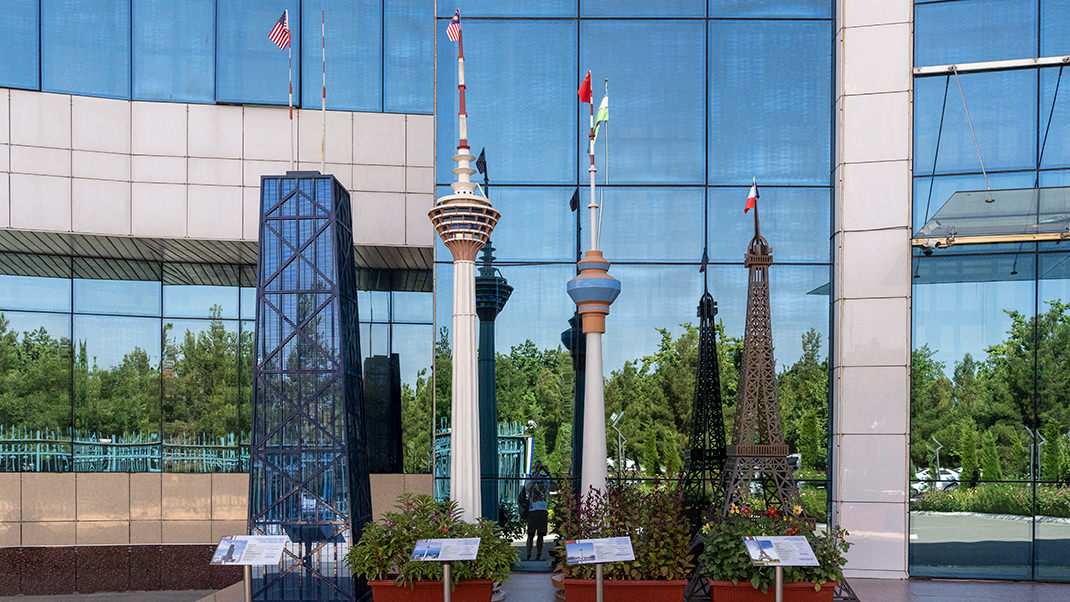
386,545
653,517
725,558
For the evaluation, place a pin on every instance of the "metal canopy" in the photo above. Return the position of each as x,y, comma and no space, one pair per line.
993,216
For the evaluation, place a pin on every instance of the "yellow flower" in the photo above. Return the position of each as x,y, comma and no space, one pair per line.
797,510
734,509
706,528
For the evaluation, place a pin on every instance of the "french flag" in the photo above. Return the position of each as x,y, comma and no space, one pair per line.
752,198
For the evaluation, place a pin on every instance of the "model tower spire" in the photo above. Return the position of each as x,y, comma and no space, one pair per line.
758,452
593,290
464,221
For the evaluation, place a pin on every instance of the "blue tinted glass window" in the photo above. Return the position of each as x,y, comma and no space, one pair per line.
648,224
413,307
174,50
506,8
131,297
19,30
536,224
770,119
1005,126
354,32
248,302
655,132
520,94
944,186
795,220
85,47
1055,149
409,61
780,8
249,66
642,8
35,293
195,301
974,30
1054,25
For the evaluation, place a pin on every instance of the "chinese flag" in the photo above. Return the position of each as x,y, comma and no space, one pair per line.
585,89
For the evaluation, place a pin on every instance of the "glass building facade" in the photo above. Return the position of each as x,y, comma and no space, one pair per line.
212,51
703,99
989,412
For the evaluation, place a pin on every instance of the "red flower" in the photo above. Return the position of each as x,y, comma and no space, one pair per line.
746,510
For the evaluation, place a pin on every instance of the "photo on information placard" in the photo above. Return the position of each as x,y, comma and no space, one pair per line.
579,552
229,551
761,551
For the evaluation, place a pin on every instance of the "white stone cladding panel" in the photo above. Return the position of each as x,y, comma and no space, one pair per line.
866,68
876,127
872,468
857,384
5,199
877,532
156,152
100,124
875,192
875,263
857,13
100,206
158,128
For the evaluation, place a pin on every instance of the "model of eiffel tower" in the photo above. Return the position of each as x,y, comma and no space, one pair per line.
705,456
758,454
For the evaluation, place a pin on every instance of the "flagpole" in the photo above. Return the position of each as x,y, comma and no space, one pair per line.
605,169
593,206
290,103
323,105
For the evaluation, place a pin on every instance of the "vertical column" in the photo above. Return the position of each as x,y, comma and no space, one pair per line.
464,421
871,283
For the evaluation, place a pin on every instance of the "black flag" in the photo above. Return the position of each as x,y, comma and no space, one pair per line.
574,202
705,260
481,162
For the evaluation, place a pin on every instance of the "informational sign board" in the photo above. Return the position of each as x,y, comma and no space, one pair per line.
250,549
446,550
793,550
598,551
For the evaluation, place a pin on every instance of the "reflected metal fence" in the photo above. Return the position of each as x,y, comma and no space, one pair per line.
51,450
515,448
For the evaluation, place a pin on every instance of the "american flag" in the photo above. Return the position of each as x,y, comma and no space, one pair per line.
453,30
280,34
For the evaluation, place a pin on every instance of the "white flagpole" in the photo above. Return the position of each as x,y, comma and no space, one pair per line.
323,106
290,68
605,170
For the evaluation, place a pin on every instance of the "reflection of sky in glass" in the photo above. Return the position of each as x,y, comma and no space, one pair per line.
109,338
131,297
373,306
796,222
179,328
507,8
642,8
29,292
374,339
413,307
20,322
197,301
248,303
413,344
944,186
974,31
650,224
958,318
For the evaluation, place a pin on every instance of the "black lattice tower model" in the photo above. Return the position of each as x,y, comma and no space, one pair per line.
308,457
758,453
705,456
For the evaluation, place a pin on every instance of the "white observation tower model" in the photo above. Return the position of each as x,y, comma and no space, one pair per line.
464,221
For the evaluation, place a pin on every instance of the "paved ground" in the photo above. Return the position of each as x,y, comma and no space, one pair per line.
183,596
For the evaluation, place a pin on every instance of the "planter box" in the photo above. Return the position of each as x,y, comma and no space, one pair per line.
796,591
582,590
468,590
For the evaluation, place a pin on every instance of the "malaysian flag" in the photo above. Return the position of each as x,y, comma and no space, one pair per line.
453,30
280,34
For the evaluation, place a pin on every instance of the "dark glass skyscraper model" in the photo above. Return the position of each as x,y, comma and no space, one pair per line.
492,291
705,456
309,460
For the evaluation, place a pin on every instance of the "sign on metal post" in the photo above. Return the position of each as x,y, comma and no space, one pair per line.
780,551
599,552
250,550
445,551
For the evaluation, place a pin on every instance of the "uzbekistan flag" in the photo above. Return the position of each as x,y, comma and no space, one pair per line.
752,198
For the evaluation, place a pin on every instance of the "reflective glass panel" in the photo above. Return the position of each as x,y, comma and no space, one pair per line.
927,204
796,221
249,66
248,303
413,307
19,30
520,95
374,340
198,301
536,225
1054,23
35,401
85,47
778,9
970,31
649,224
409,61
373,306
770,119
116,394
655,132
505,8
1006,128
354,32
1055,149
35,293
639,8
414,346
202,427
174,50
130,297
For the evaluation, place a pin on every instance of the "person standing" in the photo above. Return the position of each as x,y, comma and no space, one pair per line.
538,490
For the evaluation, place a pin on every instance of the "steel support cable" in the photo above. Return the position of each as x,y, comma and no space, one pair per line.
936,155
977,146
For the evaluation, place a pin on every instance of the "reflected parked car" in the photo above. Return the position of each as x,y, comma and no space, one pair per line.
947,481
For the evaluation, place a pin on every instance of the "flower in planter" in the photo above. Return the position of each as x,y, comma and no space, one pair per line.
385,546
725,558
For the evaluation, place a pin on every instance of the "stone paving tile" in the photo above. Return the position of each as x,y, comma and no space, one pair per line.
182,596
